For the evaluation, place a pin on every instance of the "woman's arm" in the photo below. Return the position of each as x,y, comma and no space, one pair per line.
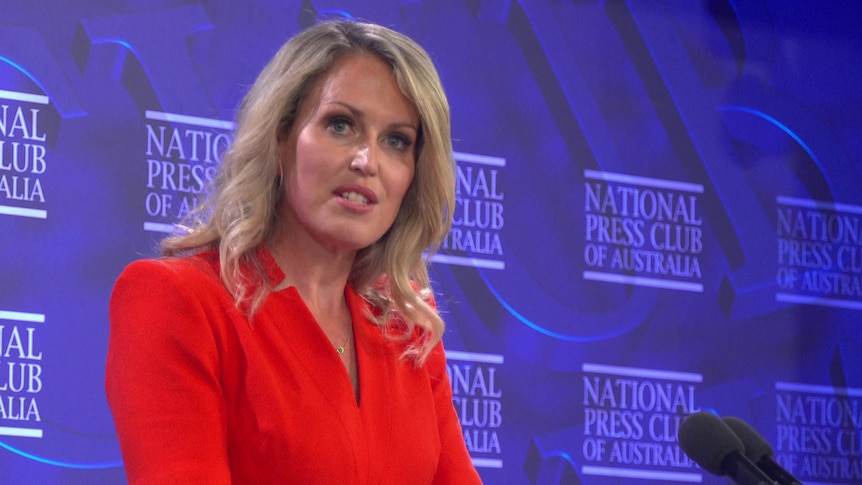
162,379
455,464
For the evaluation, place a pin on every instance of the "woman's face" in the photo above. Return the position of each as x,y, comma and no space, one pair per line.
349,158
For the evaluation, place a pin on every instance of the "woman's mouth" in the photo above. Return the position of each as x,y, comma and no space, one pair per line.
355,197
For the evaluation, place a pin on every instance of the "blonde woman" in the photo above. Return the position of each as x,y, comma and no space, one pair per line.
289,334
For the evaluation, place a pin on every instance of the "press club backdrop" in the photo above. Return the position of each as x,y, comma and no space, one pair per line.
658,213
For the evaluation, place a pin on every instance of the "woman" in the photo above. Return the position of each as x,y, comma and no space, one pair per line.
290,335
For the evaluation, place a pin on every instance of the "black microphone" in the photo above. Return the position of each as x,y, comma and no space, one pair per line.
758,450
712,444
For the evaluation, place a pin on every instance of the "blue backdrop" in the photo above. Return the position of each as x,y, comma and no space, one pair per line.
658,213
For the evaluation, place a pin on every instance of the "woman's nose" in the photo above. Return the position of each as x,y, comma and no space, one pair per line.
364,161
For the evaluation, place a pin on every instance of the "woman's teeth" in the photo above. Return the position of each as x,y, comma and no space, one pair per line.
354,197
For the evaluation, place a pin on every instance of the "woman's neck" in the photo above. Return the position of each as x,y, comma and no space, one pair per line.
319,274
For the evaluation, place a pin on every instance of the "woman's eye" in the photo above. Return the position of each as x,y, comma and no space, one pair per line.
339,125
398,142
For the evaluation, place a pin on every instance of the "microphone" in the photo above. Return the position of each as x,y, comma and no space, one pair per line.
712,444
758,450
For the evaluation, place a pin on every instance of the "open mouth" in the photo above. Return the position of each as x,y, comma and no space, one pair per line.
355,197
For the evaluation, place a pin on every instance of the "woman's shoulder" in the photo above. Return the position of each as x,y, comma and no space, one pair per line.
176,285
199,271
202,264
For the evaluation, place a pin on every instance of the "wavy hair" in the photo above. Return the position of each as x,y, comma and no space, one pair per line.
240,213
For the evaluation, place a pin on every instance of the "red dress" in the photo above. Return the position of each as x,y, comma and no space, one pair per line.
199,395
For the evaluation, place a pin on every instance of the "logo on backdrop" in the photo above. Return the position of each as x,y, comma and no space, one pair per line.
819,253
642,231
477,397
631,419
23,152
478,220
819,432
182,155
20,374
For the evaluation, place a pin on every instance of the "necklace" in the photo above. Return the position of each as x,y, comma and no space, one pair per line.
340,349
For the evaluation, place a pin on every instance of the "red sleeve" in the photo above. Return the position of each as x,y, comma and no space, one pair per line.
162,380
455,464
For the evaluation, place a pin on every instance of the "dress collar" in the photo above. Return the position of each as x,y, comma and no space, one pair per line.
275,275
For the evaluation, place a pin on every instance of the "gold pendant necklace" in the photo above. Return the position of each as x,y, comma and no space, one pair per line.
340,349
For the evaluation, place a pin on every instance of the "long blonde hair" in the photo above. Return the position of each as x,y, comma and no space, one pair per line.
241,212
